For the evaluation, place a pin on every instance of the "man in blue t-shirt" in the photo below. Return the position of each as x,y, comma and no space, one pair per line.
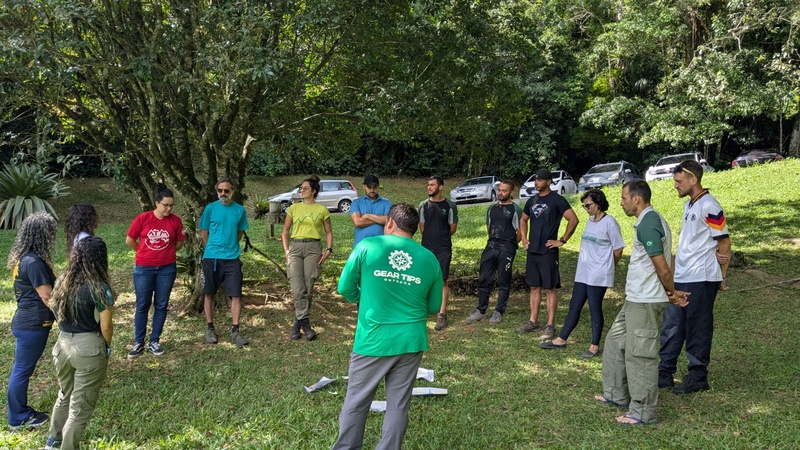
368,213
222,226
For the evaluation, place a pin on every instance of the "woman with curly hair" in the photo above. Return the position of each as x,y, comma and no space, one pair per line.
155,236
601,250
307,221
82,302
81,222
31,264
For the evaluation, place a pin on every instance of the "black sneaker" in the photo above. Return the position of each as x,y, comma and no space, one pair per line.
665,380
690,385
155,348
52,443
138,349
37,419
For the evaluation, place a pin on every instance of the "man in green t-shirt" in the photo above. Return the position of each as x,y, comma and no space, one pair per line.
398,283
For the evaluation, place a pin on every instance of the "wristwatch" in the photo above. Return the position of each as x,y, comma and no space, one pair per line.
329,250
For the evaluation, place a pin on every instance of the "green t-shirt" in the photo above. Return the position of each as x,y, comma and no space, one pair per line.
398,283
308,220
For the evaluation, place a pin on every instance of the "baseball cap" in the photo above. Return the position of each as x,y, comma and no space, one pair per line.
370,180
544,174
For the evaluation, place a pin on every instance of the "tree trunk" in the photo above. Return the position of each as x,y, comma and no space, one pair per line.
794,143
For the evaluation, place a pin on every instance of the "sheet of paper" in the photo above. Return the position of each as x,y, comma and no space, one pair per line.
378,406
324,381
429,391
425,374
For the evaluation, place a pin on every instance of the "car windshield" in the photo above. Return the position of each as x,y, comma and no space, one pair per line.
603,168
477,181
674,159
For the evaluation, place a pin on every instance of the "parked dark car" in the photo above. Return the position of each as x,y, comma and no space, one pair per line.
608,174
752,157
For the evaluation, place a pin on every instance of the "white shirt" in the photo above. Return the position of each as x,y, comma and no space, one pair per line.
596,255
703,224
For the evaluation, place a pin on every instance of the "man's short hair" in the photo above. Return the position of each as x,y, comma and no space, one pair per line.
640,188
439,180
405,216
225,179
692,167
508,183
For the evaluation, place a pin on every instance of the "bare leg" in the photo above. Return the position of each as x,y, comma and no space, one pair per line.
236,309
445,295
552,305
208,307
536,300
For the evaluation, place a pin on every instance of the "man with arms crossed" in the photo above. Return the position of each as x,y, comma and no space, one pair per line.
544,211
630,368
398,283
438,221
502,225
701,264
368,213
222,226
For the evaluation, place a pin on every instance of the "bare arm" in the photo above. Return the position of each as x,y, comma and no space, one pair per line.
572,223
328,239
664,273
523,230
617,256
44,292
130,242
287,226
724,258
204,235
107,326
453,228
365,220
179,245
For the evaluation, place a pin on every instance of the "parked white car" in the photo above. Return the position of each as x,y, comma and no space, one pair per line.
562,184
480,189
664,167
336,195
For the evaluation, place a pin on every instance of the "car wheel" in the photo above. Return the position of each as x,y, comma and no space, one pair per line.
493,198
285,206
344,206
561,191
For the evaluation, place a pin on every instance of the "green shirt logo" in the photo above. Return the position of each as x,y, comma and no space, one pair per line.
400,260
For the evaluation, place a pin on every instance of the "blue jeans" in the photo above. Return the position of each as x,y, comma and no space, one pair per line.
152,285
29,348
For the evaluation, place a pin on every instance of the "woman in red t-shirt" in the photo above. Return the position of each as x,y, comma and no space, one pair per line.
155,236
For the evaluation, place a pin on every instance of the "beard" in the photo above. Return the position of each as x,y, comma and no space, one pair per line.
225,200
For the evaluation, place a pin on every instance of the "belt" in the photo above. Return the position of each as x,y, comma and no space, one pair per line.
304,240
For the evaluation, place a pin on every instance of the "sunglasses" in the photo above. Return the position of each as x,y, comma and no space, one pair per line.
586,206
223,191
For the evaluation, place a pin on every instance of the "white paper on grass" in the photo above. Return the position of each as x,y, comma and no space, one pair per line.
378,406
425,374
429,391
324,381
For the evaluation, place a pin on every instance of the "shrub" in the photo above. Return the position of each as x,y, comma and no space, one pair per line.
24,190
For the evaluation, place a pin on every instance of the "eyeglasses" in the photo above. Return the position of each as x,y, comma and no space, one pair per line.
305,188
167,205
586,206
223,191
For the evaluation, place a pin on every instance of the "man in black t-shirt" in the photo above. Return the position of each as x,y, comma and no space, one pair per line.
544,211
502,224
438,221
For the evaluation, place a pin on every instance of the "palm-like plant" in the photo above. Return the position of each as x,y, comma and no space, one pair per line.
24,190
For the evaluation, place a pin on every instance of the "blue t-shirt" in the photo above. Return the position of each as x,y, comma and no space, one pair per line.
223,224
363,205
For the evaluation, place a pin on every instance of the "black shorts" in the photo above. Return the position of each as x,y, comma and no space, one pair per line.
444,256
542,271
225,272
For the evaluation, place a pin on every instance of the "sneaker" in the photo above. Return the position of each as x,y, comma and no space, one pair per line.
528,326
238,339
549,332
155,348
441,322
138,349
690,385
476,316
665,380
211,336
52,443
37,419
497,317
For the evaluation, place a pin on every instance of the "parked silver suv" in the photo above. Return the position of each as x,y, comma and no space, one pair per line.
336,195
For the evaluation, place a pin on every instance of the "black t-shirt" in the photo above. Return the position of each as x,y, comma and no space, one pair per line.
503,223
437,217
545,215
32,313
87,311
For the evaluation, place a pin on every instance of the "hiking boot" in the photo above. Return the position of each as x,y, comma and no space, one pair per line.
154,348
52,443
307,330
37,419
549,332
138,349
528,327
476,316
211,336
238,339
497,317
295,335
665,380
441,322
690,385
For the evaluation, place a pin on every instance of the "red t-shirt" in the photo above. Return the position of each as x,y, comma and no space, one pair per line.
156,237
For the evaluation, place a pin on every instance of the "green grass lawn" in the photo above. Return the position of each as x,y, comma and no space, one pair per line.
504,391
